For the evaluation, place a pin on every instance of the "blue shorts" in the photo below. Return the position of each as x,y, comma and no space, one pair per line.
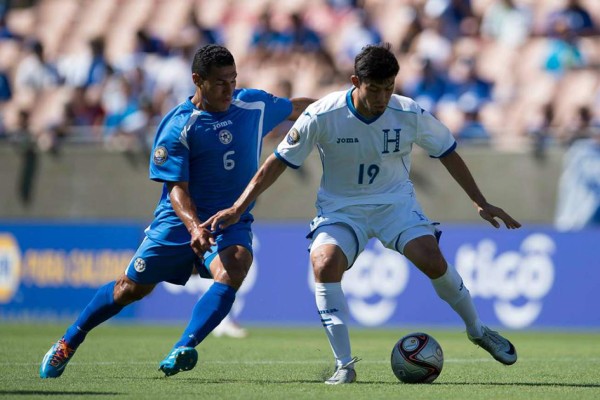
154,262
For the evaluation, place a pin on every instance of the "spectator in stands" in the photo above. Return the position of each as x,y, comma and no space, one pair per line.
349,26
454,16
142,86
126,114
5,89
99,64
34,72
542,131
83,116
472,129
147,43
583,126
26,143
4,7
576,17
302,38
284,88
563,52
21,134
464,80
130,111
167,86
345,5
429,88
266,40
357,36
305,40
412,32
133,133
206,34
506,22
5,95
431,44
5,32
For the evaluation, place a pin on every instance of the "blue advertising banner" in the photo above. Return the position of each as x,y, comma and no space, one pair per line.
528,278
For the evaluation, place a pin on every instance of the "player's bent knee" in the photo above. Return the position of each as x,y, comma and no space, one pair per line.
328,267
231,266
427,256
233,277
435,266
437,269
127,291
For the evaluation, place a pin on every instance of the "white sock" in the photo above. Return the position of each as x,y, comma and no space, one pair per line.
333,310
451,289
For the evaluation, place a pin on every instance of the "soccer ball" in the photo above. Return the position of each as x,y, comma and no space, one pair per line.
417,358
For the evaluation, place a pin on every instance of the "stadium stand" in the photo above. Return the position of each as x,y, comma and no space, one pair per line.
528,53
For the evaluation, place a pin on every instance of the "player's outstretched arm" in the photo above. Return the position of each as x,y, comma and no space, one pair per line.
299,104
268,173
461,174
185,209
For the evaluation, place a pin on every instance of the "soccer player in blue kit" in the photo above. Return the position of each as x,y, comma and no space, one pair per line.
205,152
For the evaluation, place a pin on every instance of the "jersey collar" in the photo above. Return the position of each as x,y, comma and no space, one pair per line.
189,104
219,114
354,112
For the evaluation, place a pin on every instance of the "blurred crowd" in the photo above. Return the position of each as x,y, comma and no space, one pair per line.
513,74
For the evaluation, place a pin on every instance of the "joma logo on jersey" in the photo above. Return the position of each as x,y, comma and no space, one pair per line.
223,124
347,140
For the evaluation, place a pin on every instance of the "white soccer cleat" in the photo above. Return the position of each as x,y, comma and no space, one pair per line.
230,328
500,348
344,373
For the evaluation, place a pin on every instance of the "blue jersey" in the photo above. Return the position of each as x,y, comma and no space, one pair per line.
216,153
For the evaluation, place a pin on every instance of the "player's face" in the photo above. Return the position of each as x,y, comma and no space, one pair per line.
217,88
371,97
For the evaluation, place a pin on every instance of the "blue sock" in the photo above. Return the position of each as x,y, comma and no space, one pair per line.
101,308
208,312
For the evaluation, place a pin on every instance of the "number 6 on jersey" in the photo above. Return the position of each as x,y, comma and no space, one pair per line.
228,163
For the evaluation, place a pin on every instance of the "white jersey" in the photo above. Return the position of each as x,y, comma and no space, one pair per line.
364,161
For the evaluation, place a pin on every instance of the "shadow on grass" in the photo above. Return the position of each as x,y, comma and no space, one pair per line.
545,384
526,384
49,393
434,384
239,381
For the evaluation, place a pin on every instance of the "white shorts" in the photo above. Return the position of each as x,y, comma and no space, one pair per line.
350,228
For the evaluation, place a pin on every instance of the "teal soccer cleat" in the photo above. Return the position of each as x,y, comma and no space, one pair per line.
56,359
179,359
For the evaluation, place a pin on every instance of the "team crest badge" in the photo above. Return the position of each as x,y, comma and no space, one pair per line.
139,264
293,137
160,155
225,136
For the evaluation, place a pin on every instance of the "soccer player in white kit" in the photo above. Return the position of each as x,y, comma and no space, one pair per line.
364,137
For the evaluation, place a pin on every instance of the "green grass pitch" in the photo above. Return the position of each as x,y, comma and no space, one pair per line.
121,361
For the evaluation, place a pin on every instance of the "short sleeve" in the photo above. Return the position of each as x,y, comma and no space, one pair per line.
169,161
277,110
299,141
433,136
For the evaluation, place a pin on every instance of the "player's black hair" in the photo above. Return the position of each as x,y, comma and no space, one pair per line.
209,56
376,63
